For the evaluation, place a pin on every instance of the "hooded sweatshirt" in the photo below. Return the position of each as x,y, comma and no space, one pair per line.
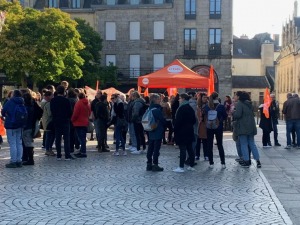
8,111
81,114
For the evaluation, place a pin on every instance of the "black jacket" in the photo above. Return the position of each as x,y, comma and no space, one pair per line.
61,110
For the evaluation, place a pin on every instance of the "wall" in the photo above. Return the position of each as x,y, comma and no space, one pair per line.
247,67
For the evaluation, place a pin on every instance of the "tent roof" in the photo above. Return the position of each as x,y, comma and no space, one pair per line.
175,75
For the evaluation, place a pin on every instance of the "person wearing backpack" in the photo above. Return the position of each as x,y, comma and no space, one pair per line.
215,115
14,129
185,119
155,135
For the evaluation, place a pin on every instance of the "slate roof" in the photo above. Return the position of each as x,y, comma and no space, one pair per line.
249,82
246,49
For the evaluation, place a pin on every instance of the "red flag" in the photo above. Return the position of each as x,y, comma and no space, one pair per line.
267,103
211,82
172,91
146,92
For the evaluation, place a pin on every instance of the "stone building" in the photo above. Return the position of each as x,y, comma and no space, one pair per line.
141,36
288,63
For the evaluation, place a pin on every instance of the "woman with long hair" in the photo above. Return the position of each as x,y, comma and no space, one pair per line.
214,104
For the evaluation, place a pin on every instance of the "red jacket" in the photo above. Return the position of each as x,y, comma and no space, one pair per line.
81,114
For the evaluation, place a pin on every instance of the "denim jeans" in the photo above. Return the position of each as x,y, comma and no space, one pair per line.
132,134
290,124
49,134
238,148
14,138
62,130
153,151
248,141
81,135
119,137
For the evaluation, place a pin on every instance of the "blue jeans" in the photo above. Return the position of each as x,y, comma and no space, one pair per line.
290,124
119,138
245,142
81,135
153,151
49,134
132,134
238,148
62,130
14,138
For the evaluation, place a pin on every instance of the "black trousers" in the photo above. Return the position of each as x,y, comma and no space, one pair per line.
140,137
210,143
204,146
153,151
189,149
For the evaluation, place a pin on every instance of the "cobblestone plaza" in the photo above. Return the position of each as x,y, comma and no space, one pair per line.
105,189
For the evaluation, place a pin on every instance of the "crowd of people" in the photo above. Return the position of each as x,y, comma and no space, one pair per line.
189,120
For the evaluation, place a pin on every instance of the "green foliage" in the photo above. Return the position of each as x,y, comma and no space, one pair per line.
43,45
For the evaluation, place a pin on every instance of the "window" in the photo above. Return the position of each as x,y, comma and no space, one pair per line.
134,65
76,4
63,3
190,37
159,30
52,4
134,28
110,31
215,41
158,1
190,9
134,2
158,61
111,2
215,9
110,59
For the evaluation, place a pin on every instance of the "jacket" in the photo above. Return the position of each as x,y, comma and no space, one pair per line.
61,110
136,116
244,119
222,115
291,108
157,134
47,116
81,114
184,125
102,112
8,111
265,123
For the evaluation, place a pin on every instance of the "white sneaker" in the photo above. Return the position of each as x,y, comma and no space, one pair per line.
190,168
116,154
136,152
143,151
178,170
132,149
124,153
211,166
223,166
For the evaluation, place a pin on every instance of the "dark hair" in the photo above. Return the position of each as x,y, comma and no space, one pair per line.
192,93
17,93
60,90
153,97
81,95
103,98
48,93
184,96
27,98
71,93
147,99
199,100
244,96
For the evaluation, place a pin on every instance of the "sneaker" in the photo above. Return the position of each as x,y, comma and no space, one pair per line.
190,168
80,155
136,152
156,168
132,149
69,158
277,144
116,154
238,160
19,164
206,158
11,165
258,164
178,170
50,153
58,158
211,166
288,147
245,164
143,151
124,153
223,166
197,158
266,146
149,167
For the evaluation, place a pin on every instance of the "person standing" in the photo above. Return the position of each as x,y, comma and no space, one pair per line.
80,121
214,104
61,115
13,130
184,132
155,135
266,125
274,114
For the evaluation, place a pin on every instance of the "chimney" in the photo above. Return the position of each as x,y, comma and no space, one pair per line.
244,36
295,8
276,39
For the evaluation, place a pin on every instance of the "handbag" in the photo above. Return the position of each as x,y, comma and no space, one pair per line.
37,132
90,127
202,130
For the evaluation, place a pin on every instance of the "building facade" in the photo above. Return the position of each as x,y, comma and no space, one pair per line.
141,36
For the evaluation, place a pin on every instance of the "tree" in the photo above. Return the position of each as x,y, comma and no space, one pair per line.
40,45
92,70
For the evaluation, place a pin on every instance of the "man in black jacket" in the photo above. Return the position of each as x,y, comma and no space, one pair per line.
61,113
274,113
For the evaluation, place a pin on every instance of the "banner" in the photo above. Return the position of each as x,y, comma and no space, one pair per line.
267,103
211,82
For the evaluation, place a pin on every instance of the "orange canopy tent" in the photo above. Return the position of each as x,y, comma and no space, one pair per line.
175,75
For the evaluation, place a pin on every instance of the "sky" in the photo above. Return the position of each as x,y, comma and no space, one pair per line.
251,17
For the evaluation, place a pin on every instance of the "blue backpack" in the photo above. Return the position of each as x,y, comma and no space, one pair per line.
20,116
